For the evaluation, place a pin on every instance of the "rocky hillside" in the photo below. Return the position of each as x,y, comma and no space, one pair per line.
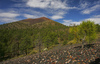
70,54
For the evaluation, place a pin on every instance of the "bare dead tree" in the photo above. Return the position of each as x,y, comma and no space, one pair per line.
39,42
83,40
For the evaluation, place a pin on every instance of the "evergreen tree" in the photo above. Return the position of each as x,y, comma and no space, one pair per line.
47,41
25,44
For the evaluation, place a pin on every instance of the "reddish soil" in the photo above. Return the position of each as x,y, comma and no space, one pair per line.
34,21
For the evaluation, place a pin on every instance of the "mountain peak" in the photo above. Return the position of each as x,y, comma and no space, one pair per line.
44,18
36,20
28,19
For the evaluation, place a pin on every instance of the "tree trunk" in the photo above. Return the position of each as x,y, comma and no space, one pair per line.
26,51
83,41
82,45
47,45
18,49
39,49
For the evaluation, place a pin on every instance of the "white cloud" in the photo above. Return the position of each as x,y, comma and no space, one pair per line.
30,11
55,17
91,9
52,4
29,16
56,8
38,3
76,23
96,16
47,4
83,4
7,20
67,21
61,12
96,20
87,7
7,17
58,15
70,22
33,16
7,14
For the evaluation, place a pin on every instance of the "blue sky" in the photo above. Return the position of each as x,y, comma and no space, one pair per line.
63,11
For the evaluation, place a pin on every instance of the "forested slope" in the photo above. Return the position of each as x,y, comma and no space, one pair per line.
21,37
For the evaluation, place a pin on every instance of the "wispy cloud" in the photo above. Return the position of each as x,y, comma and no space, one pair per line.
7,20
55,8
83,4
28,16
70,22
91,9
96,16
8,16
67,22
31,16
58,15
51,4
47,8
19,3
30,13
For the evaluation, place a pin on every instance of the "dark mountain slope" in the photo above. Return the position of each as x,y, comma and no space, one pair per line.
22,37
26,23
